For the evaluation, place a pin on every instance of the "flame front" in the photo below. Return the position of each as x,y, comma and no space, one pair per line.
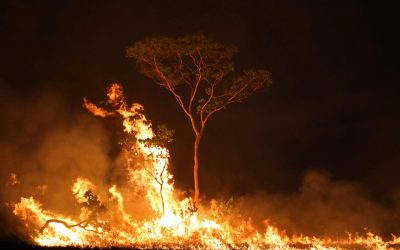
174,222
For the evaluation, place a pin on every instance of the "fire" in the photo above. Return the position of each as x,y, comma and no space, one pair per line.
174,222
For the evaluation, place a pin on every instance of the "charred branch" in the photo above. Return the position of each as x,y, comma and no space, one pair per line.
83,224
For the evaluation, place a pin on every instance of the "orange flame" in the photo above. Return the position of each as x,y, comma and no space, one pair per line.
105,222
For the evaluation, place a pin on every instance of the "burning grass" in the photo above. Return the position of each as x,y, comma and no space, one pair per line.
147,212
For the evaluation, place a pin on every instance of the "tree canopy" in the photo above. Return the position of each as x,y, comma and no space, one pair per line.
199,72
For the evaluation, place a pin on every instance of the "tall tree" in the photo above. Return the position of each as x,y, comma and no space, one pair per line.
198,72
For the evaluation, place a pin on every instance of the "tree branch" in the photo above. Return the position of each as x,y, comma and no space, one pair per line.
237,92
212,112
183,64
170,87
194,92
83,224
203,122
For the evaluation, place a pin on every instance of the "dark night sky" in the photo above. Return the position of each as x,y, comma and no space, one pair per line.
333,106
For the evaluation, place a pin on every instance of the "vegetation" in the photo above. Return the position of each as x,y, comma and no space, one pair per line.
199,73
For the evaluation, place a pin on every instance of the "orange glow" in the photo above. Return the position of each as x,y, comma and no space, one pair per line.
12,180
105,221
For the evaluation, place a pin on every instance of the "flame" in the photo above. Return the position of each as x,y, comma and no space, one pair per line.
97,111
80,187
104,221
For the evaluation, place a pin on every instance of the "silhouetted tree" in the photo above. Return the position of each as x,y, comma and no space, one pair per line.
198,72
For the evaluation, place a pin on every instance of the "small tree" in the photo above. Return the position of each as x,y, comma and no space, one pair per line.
198,72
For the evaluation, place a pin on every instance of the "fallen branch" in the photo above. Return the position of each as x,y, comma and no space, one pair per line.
83,224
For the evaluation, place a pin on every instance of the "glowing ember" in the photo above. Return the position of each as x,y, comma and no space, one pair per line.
104,220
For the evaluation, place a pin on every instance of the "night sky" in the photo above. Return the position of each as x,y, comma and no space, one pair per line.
334,104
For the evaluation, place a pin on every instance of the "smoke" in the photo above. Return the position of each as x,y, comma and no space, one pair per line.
45,145
322,207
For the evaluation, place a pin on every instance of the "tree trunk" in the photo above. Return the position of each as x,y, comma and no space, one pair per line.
196,170
162,198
